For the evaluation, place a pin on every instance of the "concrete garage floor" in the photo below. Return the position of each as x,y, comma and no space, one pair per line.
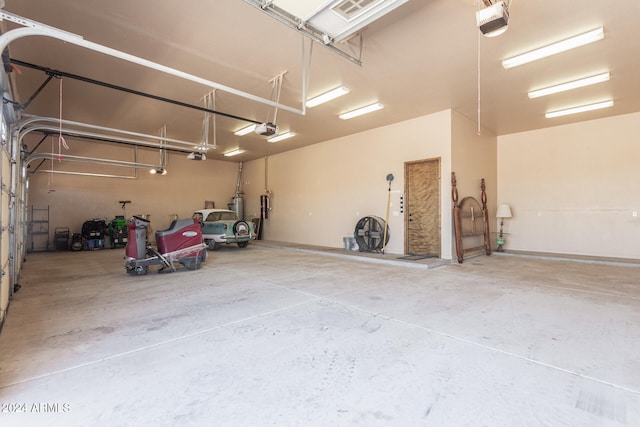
274,336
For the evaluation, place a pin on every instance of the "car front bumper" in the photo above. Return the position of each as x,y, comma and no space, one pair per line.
223,238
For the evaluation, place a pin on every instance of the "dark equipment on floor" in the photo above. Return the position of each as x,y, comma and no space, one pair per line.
62,239
93,232
76,242
118,232
181,243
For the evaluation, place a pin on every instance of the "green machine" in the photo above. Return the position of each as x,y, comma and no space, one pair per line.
117,230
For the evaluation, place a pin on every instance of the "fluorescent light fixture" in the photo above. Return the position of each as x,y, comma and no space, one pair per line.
360,111
280,137
245,130
580,109
234,152
327,96
552,49
570,85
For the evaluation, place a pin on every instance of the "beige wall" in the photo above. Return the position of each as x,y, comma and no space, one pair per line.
321,191
75,199
474,157
573,189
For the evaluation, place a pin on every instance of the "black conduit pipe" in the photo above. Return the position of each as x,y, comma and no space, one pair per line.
59,73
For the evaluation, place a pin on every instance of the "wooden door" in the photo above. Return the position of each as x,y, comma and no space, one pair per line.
422,204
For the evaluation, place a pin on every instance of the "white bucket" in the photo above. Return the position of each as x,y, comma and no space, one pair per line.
350,244
347,243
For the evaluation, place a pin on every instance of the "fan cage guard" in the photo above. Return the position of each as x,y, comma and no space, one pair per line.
369,234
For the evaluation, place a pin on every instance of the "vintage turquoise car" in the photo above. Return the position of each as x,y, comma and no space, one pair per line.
222,226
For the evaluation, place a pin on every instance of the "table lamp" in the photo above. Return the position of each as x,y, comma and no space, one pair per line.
504,211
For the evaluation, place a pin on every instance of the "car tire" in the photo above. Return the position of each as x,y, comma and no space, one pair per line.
241,228
213,245
242,244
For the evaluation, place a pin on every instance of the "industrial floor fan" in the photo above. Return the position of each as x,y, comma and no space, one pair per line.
369,234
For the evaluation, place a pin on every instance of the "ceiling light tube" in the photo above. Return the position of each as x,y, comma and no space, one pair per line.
580,109
552,49
360,111
234,152
245,130
281,137
570,85
327,96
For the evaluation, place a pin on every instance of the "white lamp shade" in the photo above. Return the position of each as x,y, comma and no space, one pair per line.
504,211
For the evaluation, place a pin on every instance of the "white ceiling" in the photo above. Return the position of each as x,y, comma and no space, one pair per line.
301,9
419,59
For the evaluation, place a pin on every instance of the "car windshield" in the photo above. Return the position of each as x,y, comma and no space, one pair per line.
221,216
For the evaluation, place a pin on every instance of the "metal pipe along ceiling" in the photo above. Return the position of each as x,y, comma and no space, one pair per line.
32,124
58,73
34,28
55,130
90,160
39,124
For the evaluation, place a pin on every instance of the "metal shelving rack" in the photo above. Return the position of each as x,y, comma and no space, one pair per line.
39,228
